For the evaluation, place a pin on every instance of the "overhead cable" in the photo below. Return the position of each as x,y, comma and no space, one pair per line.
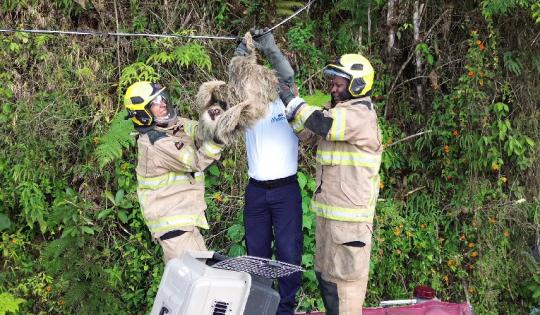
120,34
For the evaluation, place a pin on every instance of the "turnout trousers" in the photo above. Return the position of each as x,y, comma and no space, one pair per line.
176,247
342,264
273,213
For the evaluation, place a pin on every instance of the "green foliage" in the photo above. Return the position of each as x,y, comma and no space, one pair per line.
118,138
513,65
9,303
286,7
495,7
319,98
186,55
535,8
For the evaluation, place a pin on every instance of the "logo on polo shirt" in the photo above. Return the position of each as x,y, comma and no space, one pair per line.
278,118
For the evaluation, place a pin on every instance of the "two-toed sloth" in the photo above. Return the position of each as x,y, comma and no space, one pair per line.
226,110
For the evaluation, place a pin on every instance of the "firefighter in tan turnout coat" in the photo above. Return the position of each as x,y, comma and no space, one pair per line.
348,158
169,170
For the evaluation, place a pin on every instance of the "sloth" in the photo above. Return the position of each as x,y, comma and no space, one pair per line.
227,109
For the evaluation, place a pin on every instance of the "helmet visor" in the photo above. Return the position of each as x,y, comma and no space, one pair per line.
162,110
331,72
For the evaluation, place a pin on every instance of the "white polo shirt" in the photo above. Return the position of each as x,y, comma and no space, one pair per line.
272,146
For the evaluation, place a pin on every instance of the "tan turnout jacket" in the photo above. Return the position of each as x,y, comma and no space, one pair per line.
171,179
348,160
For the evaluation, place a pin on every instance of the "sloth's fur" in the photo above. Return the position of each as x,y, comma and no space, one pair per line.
244,99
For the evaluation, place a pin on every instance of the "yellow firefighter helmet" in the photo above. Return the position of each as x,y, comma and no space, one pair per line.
138,99
357,69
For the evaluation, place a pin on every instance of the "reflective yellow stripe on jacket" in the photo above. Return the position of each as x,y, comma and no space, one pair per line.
300,118
337,131
348,158
343,214
190,127
211,149
171,178
177,221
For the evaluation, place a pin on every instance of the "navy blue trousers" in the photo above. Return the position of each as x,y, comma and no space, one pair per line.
275,214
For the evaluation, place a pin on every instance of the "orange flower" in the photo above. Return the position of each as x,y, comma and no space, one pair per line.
506,234
450,263
449,177
455,133
445,278
49,289
462,237
470,245
397,231
482,46
381,185
474,254
62,302
470,74
446,149
14,241
492,220
423,226
478,42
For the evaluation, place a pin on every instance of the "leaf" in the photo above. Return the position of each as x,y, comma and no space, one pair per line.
5,222
312,185
214,170
103,214
88,230
236,232
122,215
119,196
109,196
302,180
529,141
237,250
307,222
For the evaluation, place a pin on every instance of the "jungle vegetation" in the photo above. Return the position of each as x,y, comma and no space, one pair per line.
459,207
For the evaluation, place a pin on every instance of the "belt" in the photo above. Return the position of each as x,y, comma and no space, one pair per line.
273,183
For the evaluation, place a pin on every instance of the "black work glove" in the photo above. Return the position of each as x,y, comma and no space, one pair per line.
242,49
264,40
285,93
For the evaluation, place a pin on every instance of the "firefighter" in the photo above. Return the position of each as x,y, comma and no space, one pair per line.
348,159
169,169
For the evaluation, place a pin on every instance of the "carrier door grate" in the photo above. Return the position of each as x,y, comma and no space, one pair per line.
220,308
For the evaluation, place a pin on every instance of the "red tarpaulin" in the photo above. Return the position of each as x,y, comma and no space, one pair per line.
425,308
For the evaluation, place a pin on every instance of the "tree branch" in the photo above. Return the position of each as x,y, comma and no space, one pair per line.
393,86
409,137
